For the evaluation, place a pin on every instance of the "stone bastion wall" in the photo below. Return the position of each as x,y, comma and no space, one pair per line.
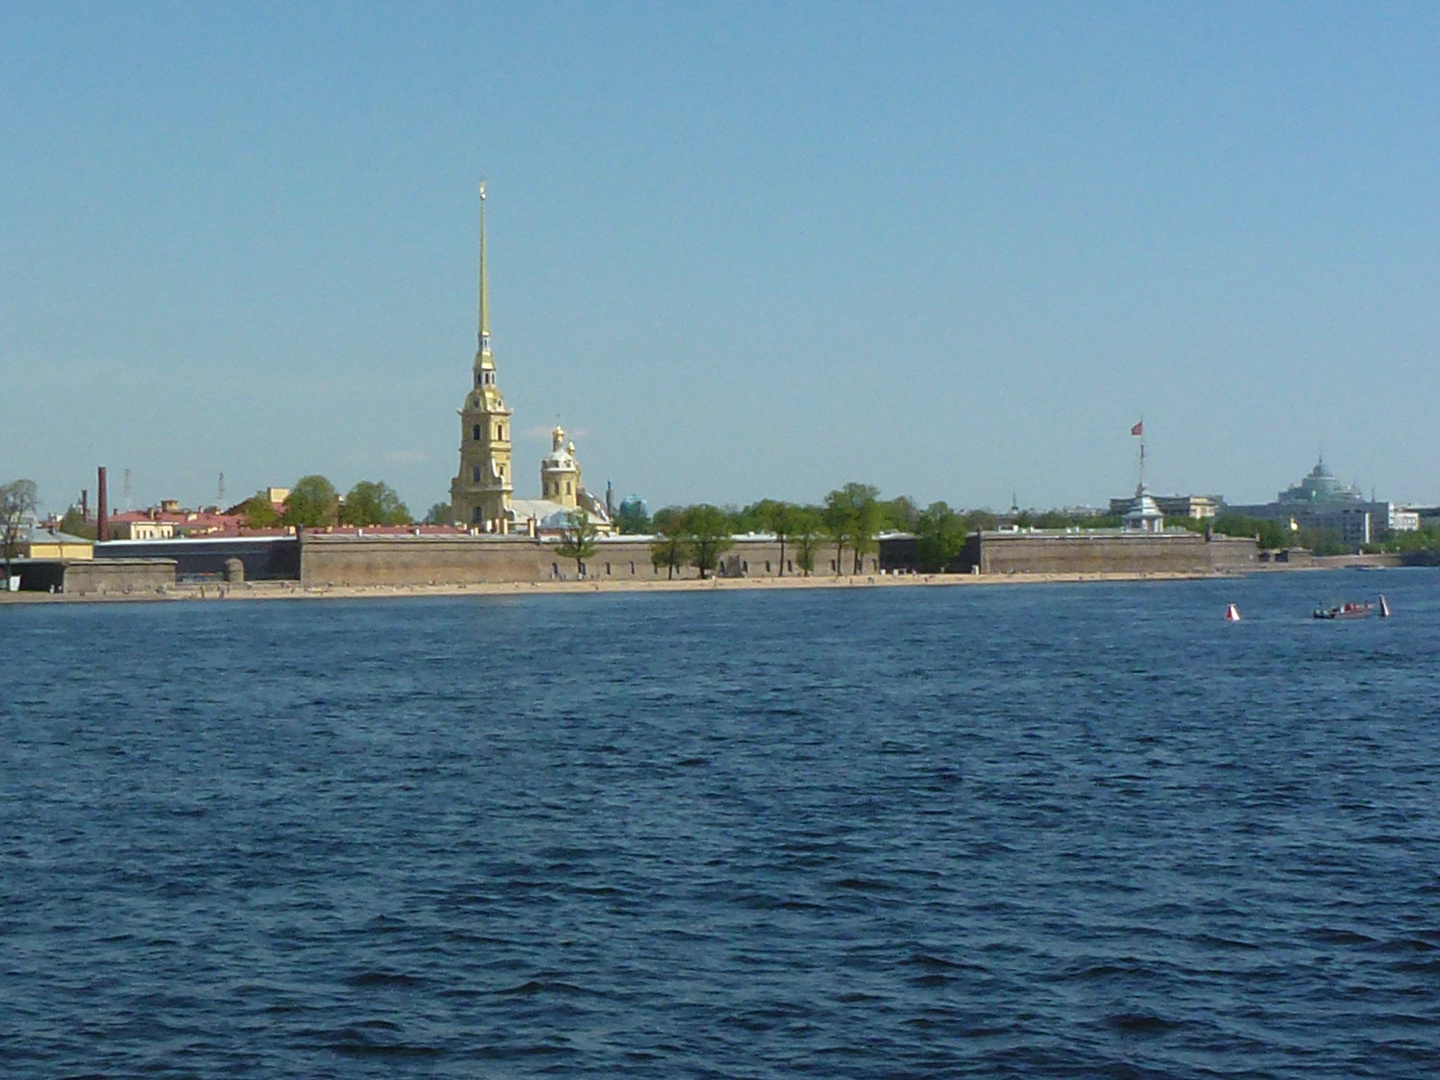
348,561
118,577
1100,552
341,561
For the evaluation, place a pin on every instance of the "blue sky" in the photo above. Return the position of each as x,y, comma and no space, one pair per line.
953,250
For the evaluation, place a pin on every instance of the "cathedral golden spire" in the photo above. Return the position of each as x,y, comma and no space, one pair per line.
482,353
480,492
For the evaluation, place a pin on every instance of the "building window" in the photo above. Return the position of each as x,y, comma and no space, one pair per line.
475,515
632,569
832,565
744,567
554,570
607,569
767,566
567,488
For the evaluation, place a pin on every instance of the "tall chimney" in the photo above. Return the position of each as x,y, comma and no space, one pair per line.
85,505
102,521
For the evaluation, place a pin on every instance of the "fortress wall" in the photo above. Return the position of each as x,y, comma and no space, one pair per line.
123,576
457,560
1234,553
747,557
417,560
1081,553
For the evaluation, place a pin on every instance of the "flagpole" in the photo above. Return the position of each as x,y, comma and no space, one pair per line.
1142,455
1139,429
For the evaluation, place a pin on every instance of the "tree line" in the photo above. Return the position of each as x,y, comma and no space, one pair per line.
850,520
314,503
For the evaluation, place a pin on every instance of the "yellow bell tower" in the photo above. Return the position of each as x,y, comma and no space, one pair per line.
560,472
480,493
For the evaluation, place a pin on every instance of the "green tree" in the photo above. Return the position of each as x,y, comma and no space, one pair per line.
1427,539
374,502
670,550
259,512
74,524
1271,535
777,518
1051,519
836,524
18,500
853,516
900,514
805,531
577,540
313,504
439,514
739,520
976,520
939,537
1323,540
706,530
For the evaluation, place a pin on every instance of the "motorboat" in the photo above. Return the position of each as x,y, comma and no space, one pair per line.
1347,610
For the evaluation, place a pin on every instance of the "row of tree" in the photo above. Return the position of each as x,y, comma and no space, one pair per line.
851,519
314,504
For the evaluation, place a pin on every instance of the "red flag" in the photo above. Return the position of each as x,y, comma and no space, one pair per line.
1138,429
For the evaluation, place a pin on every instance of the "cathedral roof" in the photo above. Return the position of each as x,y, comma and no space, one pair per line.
547,514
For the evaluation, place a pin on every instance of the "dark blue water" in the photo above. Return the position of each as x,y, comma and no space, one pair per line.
1042,831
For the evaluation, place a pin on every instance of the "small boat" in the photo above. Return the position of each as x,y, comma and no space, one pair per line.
1384,607
1232,613
1347,610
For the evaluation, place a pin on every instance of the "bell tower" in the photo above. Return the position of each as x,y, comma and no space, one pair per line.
560,472
480,493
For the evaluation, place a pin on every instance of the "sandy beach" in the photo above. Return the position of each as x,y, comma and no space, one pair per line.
292,590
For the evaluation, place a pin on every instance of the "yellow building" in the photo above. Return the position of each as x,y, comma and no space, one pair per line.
560,472
480,493
141,529
38,543
562,491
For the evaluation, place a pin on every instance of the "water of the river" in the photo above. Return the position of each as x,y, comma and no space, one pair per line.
1029,831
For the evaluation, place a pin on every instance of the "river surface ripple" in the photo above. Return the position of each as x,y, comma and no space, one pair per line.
1048,831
